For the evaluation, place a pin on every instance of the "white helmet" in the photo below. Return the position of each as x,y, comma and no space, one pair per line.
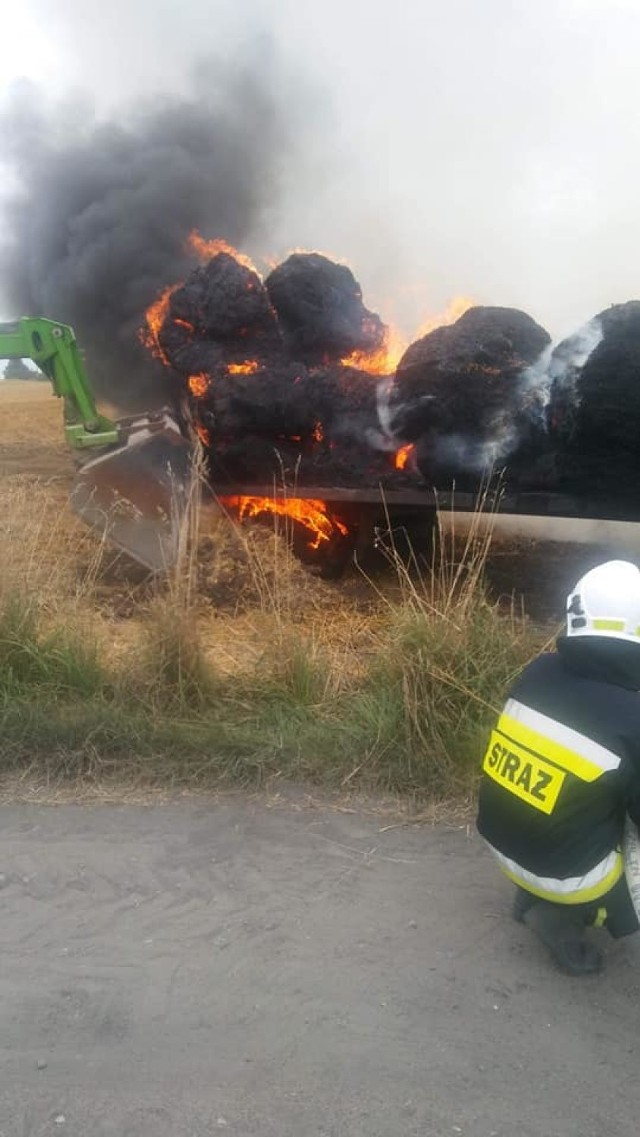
606,602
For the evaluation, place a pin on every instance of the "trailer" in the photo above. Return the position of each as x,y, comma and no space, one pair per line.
415,511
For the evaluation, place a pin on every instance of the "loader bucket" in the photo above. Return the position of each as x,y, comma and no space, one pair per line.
136,494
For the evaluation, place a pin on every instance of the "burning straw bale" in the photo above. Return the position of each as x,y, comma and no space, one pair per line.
320,309
594,408
458,391
282,379
275,401
311,426
244,352
468,371
220,315
344,392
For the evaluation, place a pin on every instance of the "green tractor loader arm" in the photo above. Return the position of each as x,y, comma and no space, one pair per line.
135,480
53,348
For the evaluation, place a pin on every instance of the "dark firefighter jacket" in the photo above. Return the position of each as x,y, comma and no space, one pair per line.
562,768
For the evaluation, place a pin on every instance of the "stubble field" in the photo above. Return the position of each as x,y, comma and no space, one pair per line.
243,667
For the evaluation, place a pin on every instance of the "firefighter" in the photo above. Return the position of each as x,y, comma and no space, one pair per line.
562,772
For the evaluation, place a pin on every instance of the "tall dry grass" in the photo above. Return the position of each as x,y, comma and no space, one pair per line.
295,681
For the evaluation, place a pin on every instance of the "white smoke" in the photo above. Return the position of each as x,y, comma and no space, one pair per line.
475,455
384,439
561,363
388,437
383,404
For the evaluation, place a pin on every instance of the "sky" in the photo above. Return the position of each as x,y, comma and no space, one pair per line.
480,147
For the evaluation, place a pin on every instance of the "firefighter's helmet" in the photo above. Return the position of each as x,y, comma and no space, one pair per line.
606,602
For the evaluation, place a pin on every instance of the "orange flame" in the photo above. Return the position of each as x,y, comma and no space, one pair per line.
454,310
155,317
401,457
385,359
198,385
206,250
249,367
382,361
307,511
203,434
318,432
272,260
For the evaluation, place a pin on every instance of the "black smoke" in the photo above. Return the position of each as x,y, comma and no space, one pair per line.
99,220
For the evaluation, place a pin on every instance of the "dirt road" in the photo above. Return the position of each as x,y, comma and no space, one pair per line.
184,970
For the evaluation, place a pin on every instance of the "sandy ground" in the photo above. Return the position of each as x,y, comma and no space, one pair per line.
180,970
31,432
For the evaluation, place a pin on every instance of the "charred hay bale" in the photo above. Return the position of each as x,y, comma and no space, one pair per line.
198,357
261,461
594,408
222,303
250,460
320,309
345,401
289,403
517,447
563,371
461,458
461,378
532,460
346,462
313,427
351,454
274,402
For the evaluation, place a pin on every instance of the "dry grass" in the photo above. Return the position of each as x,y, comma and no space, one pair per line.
241,667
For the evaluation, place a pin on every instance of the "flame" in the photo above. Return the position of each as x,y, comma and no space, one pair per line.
203,434
307,511
382,361
401,457
318,432
206,250
184,324
198,385
249,367
272,260
155,317
385,359
454,310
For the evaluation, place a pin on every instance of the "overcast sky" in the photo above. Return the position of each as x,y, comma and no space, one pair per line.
484,147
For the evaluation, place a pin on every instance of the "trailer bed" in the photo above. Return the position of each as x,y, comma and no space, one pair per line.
528,503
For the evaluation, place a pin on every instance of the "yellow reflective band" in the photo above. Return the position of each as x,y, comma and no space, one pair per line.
563,735
526,775
544,747
609,625
601,918
581,896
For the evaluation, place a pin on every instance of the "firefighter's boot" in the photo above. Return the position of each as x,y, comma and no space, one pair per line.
563,933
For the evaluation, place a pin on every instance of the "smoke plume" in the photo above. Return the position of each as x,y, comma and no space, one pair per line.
98,223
